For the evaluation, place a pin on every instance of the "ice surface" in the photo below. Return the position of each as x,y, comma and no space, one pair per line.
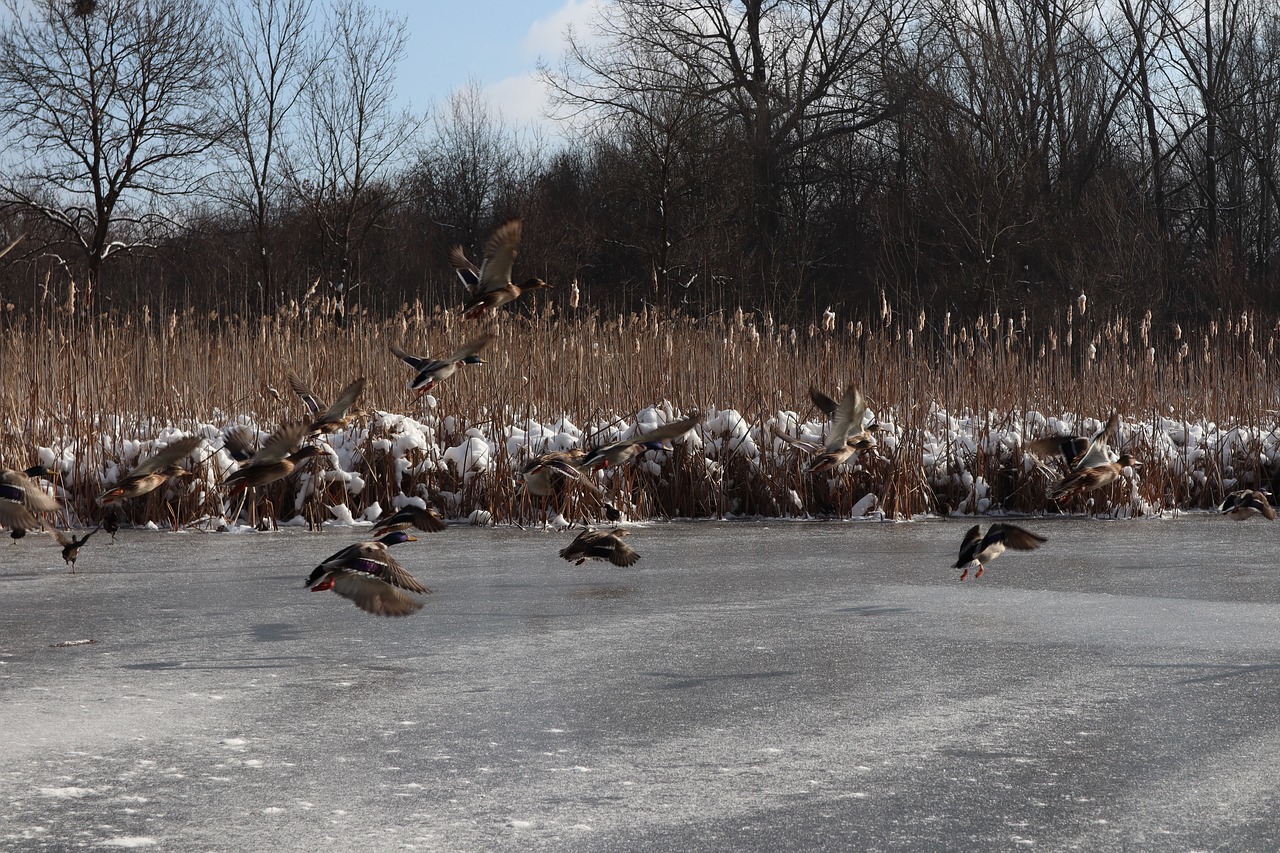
748,686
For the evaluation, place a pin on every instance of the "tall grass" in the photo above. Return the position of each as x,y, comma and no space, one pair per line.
88,384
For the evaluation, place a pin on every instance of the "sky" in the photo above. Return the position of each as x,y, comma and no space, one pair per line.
496,43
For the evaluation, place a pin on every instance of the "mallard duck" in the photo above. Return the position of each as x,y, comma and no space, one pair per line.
980,549
153,473
333,418
1245,504
367,574
21,499
275,460
240,442
493,286
426,520
430,371
111,524
1078,450
592,544
620,452
847,436
71,545
546,473
856,443
1087,476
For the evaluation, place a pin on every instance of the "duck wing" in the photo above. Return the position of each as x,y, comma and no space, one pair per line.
468,272
499,256
969,546
825,404
27,493
616,551
281,443
668,431
373,595
849,415
417,362
1014,537
239,442
472,347
14,516
345,401
303,390
373,557
801,443
168,456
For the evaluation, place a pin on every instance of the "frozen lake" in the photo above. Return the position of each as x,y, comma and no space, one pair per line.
747,686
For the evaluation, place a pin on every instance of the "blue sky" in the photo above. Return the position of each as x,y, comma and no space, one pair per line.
497,43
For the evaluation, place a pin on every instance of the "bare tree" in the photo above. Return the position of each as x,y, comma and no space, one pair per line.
352,136
268,62
788,74
471,160
108,107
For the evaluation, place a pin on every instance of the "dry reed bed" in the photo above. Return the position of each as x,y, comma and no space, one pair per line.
952,395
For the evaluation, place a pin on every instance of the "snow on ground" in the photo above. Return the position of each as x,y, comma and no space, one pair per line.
951,447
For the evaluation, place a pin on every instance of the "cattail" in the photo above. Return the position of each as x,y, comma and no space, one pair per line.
920,321
1081,302
574,294
946,325
829,320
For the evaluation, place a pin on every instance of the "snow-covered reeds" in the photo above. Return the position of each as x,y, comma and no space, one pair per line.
956,402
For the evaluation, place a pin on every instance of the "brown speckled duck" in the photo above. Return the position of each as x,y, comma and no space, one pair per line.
152,473
367,574
492,280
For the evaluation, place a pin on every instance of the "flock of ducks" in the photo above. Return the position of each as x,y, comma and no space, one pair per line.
364,572
1089,467
367,573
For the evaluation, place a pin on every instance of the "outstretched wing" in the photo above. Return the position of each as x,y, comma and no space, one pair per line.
466,270
417,362
797,442
499,256
18,487
1015,537
374,559
373,595
662,433
825,404
345,401
281,443
169,456
849,415
16,516
303,390
472,347
239,441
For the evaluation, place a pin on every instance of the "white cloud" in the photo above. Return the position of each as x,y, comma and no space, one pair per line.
521,98
546,36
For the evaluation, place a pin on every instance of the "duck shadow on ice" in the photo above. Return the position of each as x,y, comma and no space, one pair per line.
872,610
681,680
1213,671
275,662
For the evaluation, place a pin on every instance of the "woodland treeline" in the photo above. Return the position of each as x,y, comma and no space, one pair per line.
782,154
